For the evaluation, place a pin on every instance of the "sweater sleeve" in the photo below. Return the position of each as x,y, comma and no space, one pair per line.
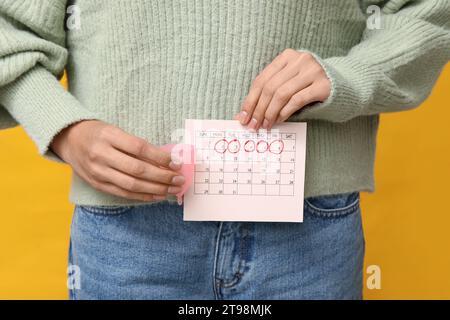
393,68
32,57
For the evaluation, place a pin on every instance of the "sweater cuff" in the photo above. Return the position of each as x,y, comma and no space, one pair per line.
43,107
351,90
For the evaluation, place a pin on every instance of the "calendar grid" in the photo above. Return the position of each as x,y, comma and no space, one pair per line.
245,163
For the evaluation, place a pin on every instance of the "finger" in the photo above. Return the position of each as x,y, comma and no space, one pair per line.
296,63
299,100
133,184
141,169
282,97
252,98
120,192
268,93
141,149
115,190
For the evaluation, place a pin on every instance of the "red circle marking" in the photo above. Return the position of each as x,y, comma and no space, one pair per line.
252,146
281,148
224,149
257,146
238,145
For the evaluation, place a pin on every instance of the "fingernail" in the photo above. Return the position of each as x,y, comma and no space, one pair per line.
265,124
243,117
176,158
173,190
178,180
180,201
158,197
253,124
175,165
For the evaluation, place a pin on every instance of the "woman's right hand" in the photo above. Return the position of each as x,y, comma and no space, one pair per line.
115,162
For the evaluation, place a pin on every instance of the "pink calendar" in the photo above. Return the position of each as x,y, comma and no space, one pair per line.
241,175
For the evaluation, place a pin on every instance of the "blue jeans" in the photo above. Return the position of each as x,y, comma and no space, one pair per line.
149,252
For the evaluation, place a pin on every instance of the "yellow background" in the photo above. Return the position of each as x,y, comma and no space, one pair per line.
406,220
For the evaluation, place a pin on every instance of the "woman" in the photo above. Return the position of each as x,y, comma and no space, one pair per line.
137,69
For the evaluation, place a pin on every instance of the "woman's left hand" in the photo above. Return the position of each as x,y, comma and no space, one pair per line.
290,82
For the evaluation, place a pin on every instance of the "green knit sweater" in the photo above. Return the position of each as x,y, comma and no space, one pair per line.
145,66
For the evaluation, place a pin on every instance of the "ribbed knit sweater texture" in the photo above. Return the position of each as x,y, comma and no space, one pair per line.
147,65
